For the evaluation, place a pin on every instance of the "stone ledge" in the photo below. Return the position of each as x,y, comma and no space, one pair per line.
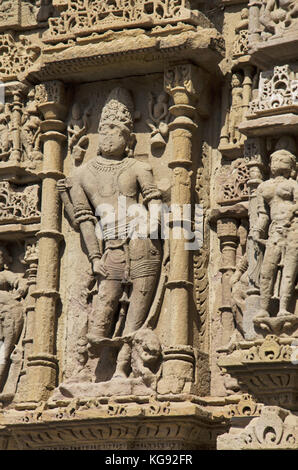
155,425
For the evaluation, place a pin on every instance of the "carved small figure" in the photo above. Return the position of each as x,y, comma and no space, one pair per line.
5,135
77,129
243,23
45,10
241,42
236,111
277,232
13,289
146,357
30,132
159,120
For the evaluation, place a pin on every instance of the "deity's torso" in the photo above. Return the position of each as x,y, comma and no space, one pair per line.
104,183
280,195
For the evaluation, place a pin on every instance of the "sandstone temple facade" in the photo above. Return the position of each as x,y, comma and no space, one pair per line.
179,338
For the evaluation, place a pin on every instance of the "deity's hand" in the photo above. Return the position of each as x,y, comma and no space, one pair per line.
256,238
99,268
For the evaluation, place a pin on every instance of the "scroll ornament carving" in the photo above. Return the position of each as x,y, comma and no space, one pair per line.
16,56
100,15
275,429
278,92
19,204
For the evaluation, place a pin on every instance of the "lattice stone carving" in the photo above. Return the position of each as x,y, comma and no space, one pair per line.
92,16
16,56
233,183
241,44
18,204
278,92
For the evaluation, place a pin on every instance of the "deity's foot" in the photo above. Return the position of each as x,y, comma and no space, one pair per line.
283,313
262,314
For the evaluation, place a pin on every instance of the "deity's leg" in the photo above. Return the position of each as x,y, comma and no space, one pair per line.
289,276
103,316
268,276
140,301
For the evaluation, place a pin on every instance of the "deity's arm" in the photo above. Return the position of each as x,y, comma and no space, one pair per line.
150,192
85,219
263,213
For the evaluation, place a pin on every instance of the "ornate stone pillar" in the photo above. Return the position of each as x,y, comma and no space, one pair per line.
42,364
247,87
227,233
254,153
179,358
18,91
225,110
254,20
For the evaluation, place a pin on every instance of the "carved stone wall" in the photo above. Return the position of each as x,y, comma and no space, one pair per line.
148,224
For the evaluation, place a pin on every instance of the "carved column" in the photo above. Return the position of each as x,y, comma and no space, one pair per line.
179,358
254,20
247,87
227,233
254,152
225,110
18,91
42,364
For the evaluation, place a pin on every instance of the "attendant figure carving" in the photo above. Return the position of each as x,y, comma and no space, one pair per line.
277,233
13,289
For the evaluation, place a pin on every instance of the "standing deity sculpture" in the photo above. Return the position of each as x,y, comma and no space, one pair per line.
13,289
276,232
125,266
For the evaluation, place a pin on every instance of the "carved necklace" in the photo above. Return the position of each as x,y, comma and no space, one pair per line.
109,182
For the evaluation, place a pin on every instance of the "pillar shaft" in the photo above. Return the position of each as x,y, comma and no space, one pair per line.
42,364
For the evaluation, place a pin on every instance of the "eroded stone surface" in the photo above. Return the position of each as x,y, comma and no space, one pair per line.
188,104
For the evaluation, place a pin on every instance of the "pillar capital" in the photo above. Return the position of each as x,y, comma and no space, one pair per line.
188,86
51,99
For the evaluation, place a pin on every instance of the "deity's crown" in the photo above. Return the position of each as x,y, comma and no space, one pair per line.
118,110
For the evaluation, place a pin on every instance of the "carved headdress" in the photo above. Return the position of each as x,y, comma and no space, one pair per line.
118,110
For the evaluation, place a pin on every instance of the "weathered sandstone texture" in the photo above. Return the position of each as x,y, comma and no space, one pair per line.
117,329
